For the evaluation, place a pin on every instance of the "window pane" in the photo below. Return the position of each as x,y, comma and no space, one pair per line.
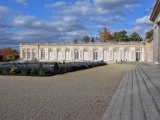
42,54
59,55
50,54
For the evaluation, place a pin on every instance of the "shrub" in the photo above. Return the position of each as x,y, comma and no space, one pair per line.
42,71
14,70
1,57
62,68
56,67
25,70
6,71
34,71
16,57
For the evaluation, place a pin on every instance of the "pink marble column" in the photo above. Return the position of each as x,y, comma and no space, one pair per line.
110,54
71,53
132,54
90,53
121,54
100,54
80,53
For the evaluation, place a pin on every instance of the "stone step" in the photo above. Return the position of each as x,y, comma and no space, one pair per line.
137,97
138,112
117,111
108,113
154,75
127,105
152,89
149,107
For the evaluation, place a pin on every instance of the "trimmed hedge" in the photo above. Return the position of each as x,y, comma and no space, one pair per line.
45,69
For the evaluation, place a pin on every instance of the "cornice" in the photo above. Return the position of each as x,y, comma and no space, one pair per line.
156,11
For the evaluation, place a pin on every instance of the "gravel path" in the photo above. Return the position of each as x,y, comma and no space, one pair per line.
81,95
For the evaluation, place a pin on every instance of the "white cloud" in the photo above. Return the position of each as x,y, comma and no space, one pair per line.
4,11
57,4
28,29
141,26
115,6
23,2
103,21
143,20
97,7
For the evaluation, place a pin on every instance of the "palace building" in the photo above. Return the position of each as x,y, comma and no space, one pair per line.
92,51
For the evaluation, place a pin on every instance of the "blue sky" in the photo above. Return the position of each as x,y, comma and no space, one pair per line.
48,21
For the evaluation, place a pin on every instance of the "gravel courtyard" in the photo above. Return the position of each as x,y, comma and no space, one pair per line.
80,95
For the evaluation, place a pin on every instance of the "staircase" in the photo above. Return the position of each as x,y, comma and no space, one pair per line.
137,97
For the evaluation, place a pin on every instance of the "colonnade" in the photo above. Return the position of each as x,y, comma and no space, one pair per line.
82,53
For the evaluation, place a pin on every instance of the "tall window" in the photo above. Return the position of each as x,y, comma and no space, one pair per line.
59,54
67,54
105,54
29,54
34,53
76,55
115,55
85,55
42,54
137,55
95,55
126,55
50,55
24,53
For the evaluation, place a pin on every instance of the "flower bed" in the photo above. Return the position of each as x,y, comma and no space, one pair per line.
45,69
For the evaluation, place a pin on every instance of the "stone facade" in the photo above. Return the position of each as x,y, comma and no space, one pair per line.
155,18
125,51
148,48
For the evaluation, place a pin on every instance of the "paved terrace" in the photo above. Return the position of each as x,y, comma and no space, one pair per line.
80,95
137,97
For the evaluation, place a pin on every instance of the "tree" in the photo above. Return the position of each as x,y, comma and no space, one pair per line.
86,39
149,34
75,41
8,54
120,36
92,39
135,37
105,36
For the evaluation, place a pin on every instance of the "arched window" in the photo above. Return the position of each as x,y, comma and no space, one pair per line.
67,54
42,54
137,55
24,53
126,53
76,53
105,54
29,54
59,55
115,55
50,55
34,53
95,55
85,55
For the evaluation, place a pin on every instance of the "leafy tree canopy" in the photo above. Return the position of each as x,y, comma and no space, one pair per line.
120,36
135,37
149,34
105,36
